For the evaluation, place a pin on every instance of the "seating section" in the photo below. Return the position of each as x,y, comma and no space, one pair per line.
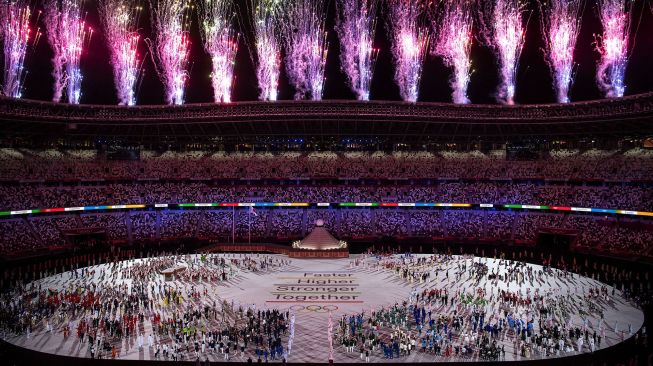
69,178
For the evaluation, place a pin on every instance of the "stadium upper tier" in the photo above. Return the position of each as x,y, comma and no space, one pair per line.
628,165
402,121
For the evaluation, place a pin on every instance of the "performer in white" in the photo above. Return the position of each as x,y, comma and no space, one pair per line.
330,336
290,337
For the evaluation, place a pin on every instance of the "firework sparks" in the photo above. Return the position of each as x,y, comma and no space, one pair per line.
264,47
306,46
15,15
502,28
356,24
171,46
120,20
67,34
411,38
613,46
561,20
453,31
221,42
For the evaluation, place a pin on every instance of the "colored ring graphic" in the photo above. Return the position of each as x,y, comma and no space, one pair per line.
314,308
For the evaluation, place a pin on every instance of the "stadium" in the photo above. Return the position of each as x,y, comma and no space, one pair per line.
320,182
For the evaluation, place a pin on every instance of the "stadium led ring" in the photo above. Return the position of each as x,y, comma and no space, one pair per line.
335,307
297,307
423,205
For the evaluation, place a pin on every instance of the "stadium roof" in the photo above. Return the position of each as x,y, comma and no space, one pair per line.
395,121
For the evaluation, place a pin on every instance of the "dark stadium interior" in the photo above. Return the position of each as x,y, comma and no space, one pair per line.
97,197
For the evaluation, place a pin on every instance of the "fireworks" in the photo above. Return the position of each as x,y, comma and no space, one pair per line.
411,39
67,34
560,26
120,21
306,46
264,47
502,29
220,41
356,24
171,46
453,30
613,46
15,15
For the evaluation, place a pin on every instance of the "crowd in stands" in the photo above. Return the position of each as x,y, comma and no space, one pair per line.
72,178
58,165
285,223
113,224
498,225
526,223
637,197
215,224
144,225
16,235
54,227
392,223
621,236
180,224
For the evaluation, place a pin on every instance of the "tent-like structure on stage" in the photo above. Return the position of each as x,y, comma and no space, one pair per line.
320,239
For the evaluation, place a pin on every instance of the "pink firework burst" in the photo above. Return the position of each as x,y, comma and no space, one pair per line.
408,26
612,44
561,21
216,19
452,23
305,44
170,48
120,19
265,45
16,34
502,28
67,34
356,25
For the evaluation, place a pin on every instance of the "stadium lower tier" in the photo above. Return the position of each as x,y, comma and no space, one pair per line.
368,308
613,234
625,196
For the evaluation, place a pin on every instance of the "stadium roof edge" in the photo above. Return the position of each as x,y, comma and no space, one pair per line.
628,116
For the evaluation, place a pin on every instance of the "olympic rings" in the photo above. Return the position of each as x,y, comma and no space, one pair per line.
314,308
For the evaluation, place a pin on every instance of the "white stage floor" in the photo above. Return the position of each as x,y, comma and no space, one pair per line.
313,288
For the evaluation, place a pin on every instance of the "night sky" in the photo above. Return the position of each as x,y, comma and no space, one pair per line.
533,86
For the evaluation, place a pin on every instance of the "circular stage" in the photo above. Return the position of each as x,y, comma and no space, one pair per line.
183,307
